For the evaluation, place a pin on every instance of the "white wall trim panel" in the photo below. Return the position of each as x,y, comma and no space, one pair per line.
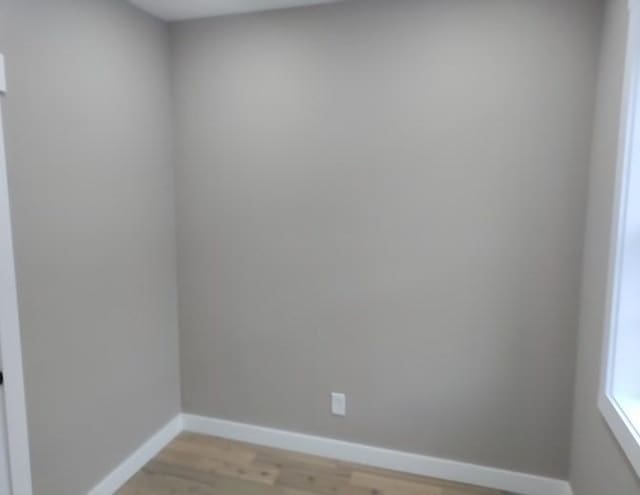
147,451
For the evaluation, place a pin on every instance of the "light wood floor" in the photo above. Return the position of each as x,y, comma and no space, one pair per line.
200,465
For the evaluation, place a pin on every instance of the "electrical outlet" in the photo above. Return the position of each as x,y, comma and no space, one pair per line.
338,404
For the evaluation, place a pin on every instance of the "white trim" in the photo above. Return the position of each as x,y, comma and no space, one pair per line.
136,461
514,482
3,77
621,427
10,341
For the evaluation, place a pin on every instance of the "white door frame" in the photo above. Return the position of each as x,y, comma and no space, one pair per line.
10,342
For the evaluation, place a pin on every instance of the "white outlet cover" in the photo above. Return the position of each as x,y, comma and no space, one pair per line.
338,404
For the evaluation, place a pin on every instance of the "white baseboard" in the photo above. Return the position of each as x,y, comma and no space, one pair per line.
147,451
499,479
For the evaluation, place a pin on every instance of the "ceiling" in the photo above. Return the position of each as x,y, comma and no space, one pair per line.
176,10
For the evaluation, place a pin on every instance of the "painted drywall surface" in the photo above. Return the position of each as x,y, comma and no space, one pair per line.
598,466
91,187
386,199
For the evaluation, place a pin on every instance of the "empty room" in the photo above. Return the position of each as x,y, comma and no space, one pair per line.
319,247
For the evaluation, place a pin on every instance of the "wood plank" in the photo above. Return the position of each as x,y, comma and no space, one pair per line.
246,471
393,486
220,449
159,484
319,483
450,487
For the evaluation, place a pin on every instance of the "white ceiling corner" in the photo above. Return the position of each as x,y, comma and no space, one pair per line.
178,10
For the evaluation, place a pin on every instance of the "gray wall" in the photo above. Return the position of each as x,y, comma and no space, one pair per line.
90,172
387,199
597,464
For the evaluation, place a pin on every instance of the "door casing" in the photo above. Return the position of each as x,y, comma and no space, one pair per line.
10,341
